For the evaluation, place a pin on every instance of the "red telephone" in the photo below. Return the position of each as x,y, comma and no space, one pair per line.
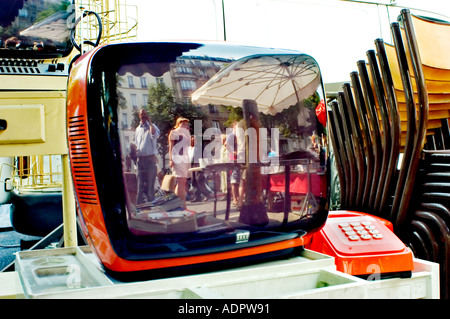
363,245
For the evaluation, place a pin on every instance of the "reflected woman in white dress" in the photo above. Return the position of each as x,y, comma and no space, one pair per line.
179,159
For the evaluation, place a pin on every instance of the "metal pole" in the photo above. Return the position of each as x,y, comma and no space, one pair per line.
223,19
69,215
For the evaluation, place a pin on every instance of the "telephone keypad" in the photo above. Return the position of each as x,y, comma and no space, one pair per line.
364,230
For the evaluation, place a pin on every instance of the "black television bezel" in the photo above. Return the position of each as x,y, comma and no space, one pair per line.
107,163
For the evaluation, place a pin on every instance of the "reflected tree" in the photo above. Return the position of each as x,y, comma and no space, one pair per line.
164,109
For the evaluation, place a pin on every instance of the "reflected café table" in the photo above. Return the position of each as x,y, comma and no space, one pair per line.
216,168
298,184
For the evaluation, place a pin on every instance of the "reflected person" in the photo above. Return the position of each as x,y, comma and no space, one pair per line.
179,160
146,136
235,176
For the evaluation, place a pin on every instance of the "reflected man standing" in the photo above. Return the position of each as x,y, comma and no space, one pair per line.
146,136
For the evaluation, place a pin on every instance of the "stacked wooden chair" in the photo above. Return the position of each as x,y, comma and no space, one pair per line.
390,132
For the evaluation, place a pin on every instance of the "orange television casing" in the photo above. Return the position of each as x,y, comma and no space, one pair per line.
108,240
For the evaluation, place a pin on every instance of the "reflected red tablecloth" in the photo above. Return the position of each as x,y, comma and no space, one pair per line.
298,183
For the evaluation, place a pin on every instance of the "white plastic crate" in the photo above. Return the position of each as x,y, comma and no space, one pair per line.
310,275
57,271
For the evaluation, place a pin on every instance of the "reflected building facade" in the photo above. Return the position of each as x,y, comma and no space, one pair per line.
185,76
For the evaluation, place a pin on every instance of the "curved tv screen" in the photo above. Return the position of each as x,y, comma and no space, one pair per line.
185,149
35,29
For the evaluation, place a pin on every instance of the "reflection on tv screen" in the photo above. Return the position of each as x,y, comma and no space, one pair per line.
33,28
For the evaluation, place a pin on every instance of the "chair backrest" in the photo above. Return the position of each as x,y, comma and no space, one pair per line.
438,97
432,39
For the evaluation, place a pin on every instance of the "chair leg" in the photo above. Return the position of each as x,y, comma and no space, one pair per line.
386,128
352,183
444,236
394,118
374,129
363,120
357,140
345,171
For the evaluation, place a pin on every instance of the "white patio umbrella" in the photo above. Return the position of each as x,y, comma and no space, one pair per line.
274,81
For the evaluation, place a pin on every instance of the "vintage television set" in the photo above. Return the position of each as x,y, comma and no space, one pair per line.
273,99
